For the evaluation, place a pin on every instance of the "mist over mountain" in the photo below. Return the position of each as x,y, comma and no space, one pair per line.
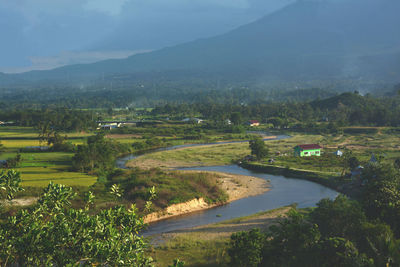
307,40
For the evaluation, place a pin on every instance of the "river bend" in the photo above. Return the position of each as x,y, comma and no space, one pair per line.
284,191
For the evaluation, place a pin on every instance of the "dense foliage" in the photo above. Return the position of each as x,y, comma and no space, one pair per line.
172,186
381,196
52,233
343,109
258,148
55,119
149,93
338,232
98,154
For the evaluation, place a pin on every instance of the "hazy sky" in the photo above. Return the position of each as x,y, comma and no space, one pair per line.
40,34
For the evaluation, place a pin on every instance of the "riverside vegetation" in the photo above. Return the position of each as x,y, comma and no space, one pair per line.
83,157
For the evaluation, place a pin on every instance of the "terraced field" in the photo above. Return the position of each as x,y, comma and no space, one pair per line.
39,168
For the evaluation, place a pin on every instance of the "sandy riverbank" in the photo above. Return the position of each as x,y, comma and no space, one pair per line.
236,186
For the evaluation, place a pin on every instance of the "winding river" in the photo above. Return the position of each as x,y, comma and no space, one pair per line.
284,191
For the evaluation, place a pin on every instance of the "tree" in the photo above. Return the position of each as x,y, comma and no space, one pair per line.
338,251
10,184
236,118
397,163
98,154
289,243
14,162
349,161
377,241
246,248
381,196
258,148
58,143
55,234
45,131
353,162
340,217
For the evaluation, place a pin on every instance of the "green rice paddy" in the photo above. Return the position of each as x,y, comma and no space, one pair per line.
39,168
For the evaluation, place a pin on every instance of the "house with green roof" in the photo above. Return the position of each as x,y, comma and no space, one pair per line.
307,150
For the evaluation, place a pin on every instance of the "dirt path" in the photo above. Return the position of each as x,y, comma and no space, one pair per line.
236,186
170,164
21,201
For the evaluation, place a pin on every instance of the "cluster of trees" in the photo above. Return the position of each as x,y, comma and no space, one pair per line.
55,119
338,232
98,154
258,148
149,143
343,109
53,233
11,162
149,93
381,195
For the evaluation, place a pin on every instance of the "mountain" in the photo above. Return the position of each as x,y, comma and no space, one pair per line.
308,40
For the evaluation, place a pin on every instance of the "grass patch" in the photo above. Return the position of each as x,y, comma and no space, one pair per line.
172,186
193,251
210,155
382,143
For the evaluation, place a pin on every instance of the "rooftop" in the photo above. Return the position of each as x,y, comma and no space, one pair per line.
309,146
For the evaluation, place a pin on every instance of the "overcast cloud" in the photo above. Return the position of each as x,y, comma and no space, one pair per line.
41,34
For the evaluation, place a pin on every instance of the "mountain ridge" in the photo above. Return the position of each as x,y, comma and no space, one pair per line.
304,41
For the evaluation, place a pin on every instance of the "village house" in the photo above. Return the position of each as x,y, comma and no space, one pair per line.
195,120
307,150
253,123
108,125
338,153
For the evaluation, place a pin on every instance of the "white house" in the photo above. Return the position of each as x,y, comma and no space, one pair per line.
338,153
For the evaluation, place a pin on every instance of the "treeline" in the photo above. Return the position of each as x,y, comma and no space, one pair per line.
343,109
338,232
148,94
59,119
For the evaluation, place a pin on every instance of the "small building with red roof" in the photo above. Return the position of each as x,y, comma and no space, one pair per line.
253,123
307,150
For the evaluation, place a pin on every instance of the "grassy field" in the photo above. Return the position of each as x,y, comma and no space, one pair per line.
19,132
194,156
39,168
384,143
